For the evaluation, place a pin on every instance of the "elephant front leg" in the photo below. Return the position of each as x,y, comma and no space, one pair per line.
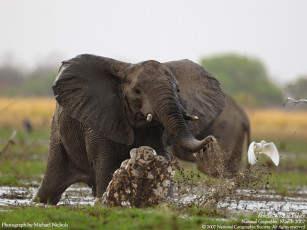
103,161
103,175
154,139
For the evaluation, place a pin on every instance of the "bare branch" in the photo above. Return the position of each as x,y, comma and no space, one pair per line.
9,143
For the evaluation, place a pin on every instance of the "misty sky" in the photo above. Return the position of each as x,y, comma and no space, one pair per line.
136,30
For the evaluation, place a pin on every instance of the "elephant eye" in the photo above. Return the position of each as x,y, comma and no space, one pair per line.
178,90
137,91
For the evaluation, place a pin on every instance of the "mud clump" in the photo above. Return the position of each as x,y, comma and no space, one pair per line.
141,181
211,159
214,161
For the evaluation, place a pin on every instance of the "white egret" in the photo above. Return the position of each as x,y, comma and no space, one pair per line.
295,101
268,149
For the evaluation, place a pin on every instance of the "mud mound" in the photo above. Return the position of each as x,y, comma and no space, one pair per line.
143,180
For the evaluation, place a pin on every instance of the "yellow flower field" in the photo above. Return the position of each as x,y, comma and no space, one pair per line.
265,123
278,124
14,110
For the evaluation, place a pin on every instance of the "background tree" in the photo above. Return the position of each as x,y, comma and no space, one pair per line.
16,83
10,76
298,89
245,78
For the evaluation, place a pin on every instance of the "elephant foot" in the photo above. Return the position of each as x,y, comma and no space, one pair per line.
98,201
41,198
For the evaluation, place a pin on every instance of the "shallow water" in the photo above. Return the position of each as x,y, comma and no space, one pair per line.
21,196
245,201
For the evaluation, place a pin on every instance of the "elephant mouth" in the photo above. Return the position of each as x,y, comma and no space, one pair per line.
139,116
141,121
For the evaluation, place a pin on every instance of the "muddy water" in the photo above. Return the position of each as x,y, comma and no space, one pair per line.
268,202
262,201
11,197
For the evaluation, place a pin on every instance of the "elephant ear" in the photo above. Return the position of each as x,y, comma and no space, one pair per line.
88,87
200,91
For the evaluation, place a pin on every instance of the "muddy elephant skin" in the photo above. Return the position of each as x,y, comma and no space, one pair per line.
230,129
107,107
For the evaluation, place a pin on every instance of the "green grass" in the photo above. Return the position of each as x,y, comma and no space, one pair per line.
104,218
287,182
119,218
10,180
21,134
292,146
26,160
18,172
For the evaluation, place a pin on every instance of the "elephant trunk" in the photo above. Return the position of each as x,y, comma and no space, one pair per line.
169,112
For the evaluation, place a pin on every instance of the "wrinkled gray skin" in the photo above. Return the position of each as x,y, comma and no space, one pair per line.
101,112
230,129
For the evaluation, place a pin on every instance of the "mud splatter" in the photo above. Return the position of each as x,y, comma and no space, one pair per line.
208,192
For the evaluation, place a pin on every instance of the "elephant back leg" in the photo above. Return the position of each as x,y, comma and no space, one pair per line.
235,157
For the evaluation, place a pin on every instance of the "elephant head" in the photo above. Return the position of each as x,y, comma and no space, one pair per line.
114,98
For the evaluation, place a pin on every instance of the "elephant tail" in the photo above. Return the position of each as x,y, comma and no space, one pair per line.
248,138
246,127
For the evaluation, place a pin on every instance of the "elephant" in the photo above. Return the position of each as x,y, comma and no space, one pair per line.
230,129
105,108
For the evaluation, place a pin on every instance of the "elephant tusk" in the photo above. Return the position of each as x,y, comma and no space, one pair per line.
194,118
149,117
187,116
190,117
